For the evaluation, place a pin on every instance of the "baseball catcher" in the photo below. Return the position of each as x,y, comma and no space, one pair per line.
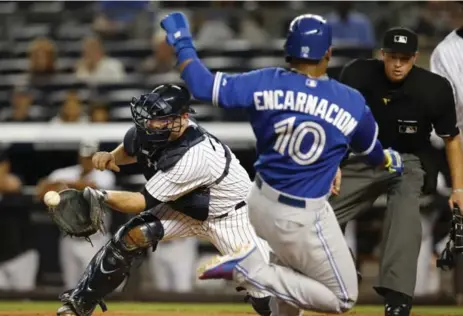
196,187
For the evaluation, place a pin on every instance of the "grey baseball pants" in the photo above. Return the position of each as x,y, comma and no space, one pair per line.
360,187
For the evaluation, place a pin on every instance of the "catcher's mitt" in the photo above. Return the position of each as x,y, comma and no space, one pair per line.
80,213
454,246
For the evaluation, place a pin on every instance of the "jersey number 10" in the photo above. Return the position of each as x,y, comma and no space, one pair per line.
290,138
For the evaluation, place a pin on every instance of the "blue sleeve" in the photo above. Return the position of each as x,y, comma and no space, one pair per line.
227,91
365,141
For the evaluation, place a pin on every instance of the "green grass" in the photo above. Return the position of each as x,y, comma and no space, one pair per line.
177,307
122,306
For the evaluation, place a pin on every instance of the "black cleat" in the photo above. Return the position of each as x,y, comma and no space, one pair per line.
397,310
66,310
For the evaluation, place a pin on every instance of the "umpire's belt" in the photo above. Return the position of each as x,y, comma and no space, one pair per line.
281,198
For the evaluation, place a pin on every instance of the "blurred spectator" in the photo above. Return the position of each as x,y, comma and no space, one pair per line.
75,253
252,29
99,113
9,183
95,66
19,262
169,273
42,60
213,29
20,106
163,58
351,27
71,111
116,18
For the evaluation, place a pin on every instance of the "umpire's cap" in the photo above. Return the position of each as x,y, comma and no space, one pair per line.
309,37
400,40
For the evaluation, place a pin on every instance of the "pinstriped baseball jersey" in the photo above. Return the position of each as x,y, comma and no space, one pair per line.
447,61
200,167
228,226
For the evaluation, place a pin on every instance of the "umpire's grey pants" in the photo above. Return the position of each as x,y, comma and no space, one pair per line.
360,187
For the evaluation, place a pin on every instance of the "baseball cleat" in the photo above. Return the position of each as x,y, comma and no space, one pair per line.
65,310
221,267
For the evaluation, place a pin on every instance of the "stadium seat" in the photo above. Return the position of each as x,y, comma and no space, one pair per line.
60,82
129,48
205,112
264,61
225,64
73,32
4,98
7,82
131,81
14,66
8,8
70,48
120,114
29,32
231,48
20,50
352,51
122,97
66,65
171,77
130,63
56,98
5,49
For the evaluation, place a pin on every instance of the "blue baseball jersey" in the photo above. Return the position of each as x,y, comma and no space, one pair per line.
303,126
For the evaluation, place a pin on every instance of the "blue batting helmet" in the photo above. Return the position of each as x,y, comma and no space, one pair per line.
309,37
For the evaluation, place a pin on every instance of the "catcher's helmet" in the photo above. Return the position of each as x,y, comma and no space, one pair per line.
165,102
309,37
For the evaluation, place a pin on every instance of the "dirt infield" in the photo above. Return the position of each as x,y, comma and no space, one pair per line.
30,308
185,313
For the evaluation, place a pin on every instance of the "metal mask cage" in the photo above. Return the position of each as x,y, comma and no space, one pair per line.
150,107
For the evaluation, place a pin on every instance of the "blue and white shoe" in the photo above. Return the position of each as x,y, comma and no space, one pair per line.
222,267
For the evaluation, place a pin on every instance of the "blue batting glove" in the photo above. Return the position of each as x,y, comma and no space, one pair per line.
178,31
394,163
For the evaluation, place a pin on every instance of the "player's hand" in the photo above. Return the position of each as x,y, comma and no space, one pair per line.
336,185
178,30
393,163
103,160
456,199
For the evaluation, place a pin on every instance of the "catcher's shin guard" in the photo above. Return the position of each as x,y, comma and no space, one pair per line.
111,265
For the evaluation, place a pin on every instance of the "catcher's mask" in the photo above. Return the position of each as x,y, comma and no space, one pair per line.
157,114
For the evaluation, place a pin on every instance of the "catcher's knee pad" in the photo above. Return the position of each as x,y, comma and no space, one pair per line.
140,232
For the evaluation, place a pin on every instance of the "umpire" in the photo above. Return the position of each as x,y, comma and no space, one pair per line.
407,102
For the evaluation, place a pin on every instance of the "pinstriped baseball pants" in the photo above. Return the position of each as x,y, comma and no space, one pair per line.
227,234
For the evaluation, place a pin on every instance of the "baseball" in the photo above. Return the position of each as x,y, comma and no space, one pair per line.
52,198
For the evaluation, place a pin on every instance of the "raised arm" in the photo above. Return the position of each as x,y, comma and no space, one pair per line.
221,89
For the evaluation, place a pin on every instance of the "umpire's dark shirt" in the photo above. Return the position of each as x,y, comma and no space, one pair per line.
406,111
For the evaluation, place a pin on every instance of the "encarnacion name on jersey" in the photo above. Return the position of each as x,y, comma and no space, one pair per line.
305,103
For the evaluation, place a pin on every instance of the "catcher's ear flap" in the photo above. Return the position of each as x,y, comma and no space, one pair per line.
98,208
